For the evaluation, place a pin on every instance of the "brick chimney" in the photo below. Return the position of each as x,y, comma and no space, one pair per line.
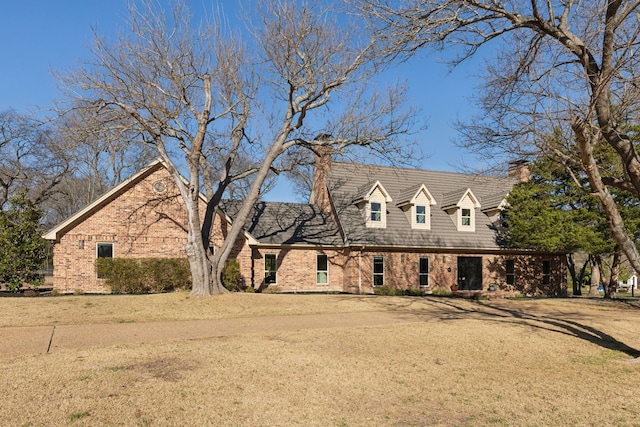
322,166
519,169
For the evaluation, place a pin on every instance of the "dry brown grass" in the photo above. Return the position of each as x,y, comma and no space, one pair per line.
82,309
446,362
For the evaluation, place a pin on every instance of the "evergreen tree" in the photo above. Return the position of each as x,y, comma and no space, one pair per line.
22,248
552,212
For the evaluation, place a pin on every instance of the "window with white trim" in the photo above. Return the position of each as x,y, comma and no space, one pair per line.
104,250
421,214
378,271
322,269
376,211
465,217
463,212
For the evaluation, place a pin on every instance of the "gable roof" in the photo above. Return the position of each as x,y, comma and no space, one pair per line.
365,191
494,202
455,198
275,223
409,195
58,230
346,179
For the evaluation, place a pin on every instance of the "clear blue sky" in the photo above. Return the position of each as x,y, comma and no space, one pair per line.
38,36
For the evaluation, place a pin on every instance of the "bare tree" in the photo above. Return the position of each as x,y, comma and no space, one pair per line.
31,160
232,114
559,64
101,155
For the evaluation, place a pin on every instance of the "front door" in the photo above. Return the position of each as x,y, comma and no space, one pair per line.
470,273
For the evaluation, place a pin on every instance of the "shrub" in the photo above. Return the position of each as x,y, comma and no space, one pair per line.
390,291
231,278
147,275
166,274
414,292
384,290
441,293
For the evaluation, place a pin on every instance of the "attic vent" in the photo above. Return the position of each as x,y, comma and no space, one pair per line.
159,187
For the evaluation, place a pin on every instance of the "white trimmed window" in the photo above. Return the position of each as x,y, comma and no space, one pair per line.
417,207
461,205
376,212
373,203
270,268
465,217
104,250
421,214
322,269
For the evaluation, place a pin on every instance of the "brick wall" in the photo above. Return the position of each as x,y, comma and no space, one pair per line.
351,271
296,269
140,223
401,271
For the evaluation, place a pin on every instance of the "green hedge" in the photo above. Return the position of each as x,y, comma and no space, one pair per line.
390,291
145,275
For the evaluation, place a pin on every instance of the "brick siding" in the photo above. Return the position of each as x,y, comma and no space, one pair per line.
140,223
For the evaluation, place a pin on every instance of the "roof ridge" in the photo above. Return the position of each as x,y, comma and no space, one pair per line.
415,169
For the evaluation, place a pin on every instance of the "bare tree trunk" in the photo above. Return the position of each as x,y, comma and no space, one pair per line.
576,279
242,216
614,219
596,275
195,251
612,286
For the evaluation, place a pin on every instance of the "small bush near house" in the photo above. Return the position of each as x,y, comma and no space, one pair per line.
441,293
389,291
412,292
272,289
167,274
147,275
384,290
231,278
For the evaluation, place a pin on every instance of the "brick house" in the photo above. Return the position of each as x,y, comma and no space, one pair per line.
365,226
142,217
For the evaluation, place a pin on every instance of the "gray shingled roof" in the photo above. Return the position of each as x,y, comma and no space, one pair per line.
452,198
345,179
287,223
492,201
405,196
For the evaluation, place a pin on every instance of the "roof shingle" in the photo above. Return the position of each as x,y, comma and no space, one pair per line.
346,179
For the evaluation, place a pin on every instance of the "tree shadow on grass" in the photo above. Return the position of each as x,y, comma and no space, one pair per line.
548,323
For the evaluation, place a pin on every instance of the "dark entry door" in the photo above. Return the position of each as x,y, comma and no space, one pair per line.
470,273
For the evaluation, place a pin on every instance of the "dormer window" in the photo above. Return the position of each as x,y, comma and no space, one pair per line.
416,204
376,212
372,199
461,206
421,214
493,206
466,218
